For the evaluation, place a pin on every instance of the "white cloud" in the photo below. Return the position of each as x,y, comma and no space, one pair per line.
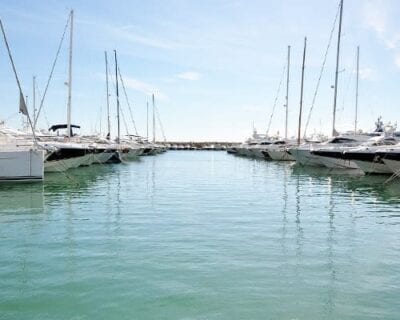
130,34
375,16
254,108
144,87
367,74
189,75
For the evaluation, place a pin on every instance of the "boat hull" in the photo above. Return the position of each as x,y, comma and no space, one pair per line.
130,154
64,159
305,158
335,160
21,165
393,165
280,155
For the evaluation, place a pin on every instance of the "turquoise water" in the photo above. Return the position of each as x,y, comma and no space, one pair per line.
200,235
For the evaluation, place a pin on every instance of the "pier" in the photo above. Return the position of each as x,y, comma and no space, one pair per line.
205,145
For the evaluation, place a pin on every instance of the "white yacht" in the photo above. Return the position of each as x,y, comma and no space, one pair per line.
278,151
362,157
305,154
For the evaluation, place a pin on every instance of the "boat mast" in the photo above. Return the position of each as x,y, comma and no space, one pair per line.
357,79
287,94
108,100
147,120
301,90
34,101
117,93
154,120
334,132
70,76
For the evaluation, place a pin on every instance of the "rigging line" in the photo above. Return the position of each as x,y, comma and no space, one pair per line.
353,74
52,70
44,110
276,99
347,87
120,107
127,101
321,72
159,122
125,123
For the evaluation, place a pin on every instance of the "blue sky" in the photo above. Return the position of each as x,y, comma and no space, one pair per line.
214,66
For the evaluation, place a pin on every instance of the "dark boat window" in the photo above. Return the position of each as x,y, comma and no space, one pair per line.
342,140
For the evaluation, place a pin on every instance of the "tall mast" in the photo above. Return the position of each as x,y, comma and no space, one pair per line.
287,94
301,89
154,120
358,75
70,75
334,132
108,99
117,92
147,120
34,101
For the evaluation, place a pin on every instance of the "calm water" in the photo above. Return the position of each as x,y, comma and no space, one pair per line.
200,235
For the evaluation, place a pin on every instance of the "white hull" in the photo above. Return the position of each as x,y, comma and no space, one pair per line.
280,155
88,160
257,152
21,165
336,163
103,157
244,152
393,165
65,164
305,158
132,154
372,167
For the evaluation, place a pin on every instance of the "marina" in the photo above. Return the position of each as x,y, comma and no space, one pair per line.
132,185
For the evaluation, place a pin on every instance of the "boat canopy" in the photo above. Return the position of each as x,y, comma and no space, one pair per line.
62,126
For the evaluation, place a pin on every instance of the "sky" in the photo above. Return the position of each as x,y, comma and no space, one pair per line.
213,65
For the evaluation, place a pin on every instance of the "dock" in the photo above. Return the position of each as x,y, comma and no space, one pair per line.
190,145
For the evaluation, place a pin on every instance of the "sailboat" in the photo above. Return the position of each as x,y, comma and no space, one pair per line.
278,150
65,149
20,159
305,154
126,150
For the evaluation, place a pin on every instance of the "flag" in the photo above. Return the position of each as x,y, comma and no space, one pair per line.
22,105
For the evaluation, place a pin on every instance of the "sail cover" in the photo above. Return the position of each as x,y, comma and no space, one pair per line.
22,105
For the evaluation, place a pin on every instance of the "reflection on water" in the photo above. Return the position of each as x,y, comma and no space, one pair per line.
200,235
20,197
352,181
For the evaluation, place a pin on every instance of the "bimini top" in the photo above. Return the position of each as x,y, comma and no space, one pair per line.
62,126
